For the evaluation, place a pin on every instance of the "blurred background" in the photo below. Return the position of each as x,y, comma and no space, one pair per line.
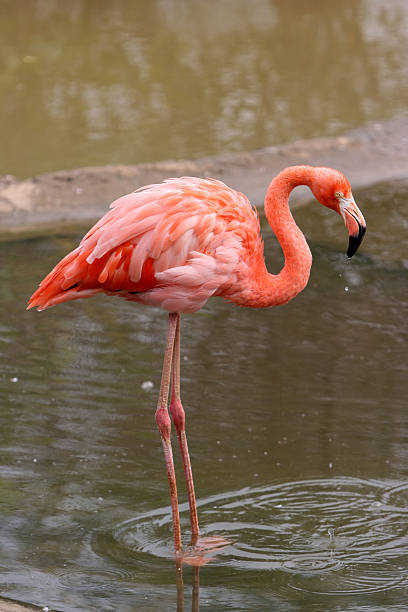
90,82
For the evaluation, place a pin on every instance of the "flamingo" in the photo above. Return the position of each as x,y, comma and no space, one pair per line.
174,245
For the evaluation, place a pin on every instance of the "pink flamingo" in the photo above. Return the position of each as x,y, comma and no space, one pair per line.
176,244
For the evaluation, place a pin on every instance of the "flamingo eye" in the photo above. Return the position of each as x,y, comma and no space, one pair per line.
339,194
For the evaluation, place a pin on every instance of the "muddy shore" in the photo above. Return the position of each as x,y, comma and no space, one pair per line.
69,198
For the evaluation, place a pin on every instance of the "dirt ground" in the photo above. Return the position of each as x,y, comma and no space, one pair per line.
9,606
56,200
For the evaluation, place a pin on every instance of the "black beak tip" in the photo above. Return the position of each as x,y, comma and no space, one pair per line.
355,241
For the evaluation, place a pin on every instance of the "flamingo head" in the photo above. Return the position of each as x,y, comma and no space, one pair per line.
332,189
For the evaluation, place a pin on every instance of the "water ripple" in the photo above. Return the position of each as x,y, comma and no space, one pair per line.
339,535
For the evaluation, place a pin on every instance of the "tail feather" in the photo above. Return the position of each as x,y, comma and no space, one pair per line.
62,283
74,277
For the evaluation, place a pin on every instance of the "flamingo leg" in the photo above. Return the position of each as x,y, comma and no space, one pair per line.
179,586
164,424
196,589
177,412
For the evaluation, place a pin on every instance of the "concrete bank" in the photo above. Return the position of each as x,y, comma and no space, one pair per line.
68,198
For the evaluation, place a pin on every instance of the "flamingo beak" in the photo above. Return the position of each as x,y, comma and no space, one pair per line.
354,222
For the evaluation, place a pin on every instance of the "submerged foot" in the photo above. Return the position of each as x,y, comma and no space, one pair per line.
204,550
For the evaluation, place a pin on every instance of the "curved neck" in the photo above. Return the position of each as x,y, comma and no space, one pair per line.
298,259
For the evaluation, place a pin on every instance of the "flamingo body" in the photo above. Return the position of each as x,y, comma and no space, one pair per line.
171,245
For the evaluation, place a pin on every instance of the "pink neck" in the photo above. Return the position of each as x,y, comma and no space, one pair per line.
298,259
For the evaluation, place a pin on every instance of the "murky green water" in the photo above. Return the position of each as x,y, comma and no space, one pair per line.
88,83
297,426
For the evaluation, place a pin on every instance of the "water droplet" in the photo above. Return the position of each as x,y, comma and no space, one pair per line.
147,385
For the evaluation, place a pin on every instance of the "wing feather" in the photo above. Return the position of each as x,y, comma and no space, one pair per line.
140,252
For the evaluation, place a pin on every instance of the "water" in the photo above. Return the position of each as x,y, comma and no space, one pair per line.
94,83
297,428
